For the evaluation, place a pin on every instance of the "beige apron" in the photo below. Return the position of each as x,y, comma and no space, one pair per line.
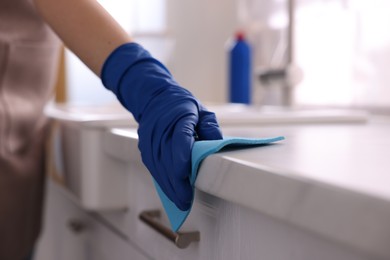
28,62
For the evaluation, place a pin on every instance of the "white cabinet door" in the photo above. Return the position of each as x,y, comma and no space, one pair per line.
107,244
70,233
142,197
63,235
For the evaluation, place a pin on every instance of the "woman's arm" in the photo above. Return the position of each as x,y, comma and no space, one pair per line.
85,27
169,116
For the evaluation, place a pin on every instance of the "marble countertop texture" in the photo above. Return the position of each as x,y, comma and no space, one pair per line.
331,179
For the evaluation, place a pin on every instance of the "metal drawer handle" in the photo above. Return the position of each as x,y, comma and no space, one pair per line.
77,226
180,239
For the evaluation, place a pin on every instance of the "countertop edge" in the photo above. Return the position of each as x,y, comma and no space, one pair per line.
329,211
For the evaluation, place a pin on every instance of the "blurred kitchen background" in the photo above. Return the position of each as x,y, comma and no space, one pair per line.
305,198
341,49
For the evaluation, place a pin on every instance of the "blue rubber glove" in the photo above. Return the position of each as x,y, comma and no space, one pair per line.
169,117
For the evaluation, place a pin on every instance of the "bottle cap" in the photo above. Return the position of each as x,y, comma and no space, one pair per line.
240,35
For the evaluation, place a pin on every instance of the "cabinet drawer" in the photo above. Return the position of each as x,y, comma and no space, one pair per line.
106,244
72,233
227,230
143,197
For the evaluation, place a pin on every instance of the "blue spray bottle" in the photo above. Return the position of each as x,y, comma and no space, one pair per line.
240,70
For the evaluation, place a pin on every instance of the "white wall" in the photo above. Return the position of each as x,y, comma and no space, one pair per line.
343,47
201,29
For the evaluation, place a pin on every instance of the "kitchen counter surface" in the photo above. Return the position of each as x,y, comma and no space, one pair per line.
330,179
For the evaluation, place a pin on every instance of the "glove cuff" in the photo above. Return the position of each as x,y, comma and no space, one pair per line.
120,61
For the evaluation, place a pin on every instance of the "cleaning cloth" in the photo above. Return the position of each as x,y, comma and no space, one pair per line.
201,150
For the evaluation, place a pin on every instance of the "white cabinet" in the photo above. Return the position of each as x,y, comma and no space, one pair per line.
227,230
70,233
108,174
63,235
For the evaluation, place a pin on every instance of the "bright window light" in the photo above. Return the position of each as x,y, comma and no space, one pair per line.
135,16
344,49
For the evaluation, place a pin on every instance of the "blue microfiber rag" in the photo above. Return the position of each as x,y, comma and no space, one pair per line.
201,150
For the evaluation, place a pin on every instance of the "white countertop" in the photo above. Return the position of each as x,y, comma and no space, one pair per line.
330,179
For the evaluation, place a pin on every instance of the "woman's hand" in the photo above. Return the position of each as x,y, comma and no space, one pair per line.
169,117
